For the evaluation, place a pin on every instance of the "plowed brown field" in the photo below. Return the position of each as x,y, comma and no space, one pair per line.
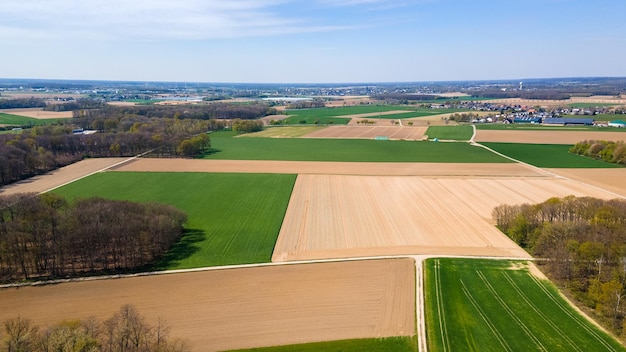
38,113
370,132
347,216
241,308
546,137
331,168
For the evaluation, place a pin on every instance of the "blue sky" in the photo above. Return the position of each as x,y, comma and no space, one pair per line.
312,41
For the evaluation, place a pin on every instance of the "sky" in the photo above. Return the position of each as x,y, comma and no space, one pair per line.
311,41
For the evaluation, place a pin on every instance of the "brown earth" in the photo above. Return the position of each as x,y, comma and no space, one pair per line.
613,180
546,137
242,308
38,113
335,216
370,132
535,102
331,168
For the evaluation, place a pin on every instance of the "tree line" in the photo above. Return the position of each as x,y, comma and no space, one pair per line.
22,103
188,111
125,331
45,148
581,243
611,152
44,236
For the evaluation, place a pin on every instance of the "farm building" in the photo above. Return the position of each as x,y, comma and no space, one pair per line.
563,121
527,119
617,123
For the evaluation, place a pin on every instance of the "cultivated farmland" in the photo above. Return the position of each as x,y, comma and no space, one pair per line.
479,305
337,208
248,307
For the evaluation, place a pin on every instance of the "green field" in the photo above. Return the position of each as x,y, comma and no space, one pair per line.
325,115
547,155
492,305
232,218
391,344
457,133
22,121
224,146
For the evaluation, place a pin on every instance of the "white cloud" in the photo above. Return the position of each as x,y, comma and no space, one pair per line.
150,19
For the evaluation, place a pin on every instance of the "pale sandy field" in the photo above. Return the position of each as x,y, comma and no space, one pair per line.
332,168
534,102
613,180
370,132
241,308
38,113
546,137
334,216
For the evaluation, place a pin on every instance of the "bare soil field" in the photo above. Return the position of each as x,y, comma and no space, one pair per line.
331,168
347,216
374,114
38,113
348,101
546,137
242,308
61,176
534,102
370,132
613,180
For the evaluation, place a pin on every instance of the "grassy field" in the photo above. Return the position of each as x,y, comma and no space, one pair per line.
391,344
325,115
491,305
224,146
457,133
547,155
233,218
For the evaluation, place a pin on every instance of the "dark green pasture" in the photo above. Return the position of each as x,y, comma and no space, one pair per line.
498,305
232,218
225,146
547,155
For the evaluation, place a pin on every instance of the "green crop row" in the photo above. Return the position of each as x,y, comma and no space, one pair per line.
491,305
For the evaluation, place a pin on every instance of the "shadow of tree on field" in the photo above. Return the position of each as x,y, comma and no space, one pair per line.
183,249
211,151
